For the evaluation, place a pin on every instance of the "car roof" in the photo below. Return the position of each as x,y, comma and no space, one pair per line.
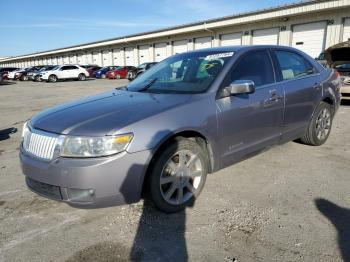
237,48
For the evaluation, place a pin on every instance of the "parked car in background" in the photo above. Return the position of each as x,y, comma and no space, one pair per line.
191,114
12,75
4,71
338,57
26,74
322,59
36,76
34,71
63,72
120,72
92,70
101,73
132,74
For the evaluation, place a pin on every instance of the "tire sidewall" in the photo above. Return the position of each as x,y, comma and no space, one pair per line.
52,78
313,133
157,168
81,77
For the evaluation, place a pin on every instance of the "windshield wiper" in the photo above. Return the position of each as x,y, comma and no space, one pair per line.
150,83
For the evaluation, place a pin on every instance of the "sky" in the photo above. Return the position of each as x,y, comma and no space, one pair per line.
32,26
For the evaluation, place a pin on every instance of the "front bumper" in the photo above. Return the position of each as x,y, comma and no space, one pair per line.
345,92
88,183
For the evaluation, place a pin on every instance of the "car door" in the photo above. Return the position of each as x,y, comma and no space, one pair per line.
303,90
63,72
73,72
250,122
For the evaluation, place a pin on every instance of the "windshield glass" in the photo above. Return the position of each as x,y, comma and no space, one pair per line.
184,73
55,68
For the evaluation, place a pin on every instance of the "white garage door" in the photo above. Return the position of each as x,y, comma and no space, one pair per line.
129,56
346,31
65,60
231,39
310,38
80,59
179,46
88,58
106,58
96,58
117,57
160,51
72,59
144,54
202,42
265,36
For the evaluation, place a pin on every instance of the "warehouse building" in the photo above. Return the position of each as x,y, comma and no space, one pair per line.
311,26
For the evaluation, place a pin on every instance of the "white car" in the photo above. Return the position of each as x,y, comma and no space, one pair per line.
11,75
64,72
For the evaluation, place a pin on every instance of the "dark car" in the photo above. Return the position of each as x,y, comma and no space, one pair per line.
36,76
132,74
191,114
27,73
92,69
119,72
101,73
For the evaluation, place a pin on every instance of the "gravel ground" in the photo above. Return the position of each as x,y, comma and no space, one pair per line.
290,203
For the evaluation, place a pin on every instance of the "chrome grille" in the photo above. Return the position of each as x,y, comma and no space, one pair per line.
40,144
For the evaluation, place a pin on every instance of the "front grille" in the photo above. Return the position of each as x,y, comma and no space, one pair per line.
47,190
40,144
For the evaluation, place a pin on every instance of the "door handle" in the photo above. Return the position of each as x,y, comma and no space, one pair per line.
274,98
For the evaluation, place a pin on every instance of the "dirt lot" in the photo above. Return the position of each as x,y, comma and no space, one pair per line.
291,203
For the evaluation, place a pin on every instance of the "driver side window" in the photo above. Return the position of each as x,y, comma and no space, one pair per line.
255,66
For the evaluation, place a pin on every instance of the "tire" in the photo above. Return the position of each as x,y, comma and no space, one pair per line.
36,79
81,77
320,126
168,177
52,79
23,78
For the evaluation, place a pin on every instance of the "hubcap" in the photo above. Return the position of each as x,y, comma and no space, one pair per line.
181,177
323,124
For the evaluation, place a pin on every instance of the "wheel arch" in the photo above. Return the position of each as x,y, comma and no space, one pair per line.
170,138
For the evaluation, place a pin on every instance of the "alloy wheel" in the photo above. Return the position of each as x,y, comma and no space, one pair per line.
181,177
323,124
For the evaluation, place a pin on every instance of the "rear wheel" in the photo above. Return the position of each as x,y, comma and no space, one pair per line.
178,175
82,77
320,126
36,78
52,78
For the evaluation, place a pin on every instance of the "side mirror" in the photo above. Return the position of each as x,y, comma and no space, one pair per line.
241,87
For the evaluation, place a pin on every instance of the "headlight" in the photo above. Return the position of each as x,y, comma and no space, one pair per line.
94,146
25,129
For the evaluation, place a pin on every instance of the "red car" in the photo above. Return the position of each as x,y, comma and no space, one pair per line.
120,72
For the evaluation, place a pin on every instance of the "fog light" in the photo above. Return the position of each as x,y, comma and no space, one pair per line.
81,195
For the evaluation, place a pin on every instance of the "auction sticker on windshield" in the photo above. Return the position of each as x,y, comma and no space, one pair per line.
220,55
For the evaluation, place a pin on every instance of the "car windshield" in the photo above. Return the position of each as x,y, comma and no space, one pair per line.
56,67
142,66
105,67
183,73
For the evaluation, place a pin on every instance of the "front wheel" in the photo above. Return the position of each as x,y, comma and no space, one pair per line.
52,78
178,175
81,77
320,126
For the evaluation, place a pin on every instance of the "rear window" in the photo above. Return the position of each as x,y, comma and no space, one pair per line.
293,65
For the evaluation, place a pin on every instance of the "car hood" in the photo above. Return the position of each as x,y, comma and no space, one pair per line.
338,54
104,114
